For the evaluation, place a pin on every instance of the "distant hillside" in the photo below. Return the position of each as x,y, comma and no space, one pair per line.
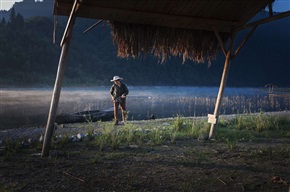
31,8
28,56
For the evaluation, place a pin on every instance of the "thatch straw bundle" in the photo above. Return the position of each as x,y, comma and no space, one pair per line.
164,42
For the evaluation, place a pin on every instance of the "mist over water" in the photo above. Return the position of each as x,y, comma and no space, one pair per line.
29,107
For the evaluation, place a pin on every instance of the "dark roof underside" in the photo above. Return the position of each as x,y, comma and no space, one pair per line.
224,15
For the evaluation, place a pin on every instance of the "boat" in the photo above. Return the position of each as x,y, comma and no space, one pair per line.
284,95
86,116
274,91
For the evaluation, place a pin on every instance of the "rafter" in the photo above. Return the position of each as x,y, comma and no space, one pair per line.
262,21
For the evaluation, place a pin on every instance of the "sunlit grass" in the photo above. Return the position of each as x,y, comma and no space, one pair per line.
232,131
252,127
136,134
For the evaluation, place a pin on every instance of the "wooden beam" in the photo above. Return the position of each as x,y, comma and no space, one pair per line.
149,18
262,21
54,25
223,47
244,41
57,86
54,28
94,25
213,119
270,6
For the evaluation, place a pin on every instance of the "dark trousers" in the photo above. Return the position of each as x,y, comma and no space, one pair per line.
123,109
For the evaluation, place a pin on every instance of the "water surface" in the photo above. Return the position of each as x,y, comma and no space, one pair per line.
27,107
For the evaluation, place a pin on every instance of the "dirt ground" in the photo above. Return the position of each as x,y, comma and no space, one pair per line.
186,165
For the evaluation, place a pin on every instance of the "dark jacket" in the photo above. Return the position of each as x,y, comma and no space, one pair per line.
116,92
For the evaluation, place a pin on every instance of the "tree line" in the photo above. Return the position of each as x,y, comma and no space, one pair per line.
27,54
30,58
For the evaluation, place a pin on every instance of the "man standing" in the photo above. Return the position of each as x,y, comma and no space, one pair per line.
118,92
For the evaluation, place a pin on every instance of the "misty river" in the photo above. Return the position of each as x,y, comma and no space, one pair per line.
29,107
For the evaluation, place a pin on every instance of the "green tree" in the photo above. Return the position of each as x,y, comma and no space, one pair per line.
19,22
12,19
3,22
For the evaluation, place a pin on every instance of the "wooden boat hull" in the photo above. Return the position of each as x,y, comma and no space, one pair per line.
279,95
86,116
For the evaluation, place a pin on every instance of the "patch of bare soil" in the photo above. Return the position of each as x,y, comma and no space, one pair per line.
186,165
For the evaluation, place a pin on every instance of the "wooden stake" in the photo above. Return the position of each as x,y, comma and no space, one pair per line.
57,87
74,177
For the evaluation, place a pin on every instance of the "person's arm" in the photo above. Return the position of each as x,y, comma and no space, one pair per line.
112,92
126,91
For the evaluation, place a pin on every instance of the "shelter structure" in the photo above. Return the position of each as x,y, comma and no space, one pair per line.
194,29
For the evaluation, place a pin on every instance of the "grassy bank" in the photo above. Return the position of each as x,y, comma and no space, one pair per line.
249,153
230,130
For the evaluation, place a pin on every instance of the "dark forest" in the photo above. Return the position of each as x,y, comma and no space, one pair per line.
30,58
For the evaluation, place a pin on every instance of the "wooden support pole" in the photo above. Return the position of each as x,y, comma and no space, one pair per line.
69,22
57,87
213,119
55,99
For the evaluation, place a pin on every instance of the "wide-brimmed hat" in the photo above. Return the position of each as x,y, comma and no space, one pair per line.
116,78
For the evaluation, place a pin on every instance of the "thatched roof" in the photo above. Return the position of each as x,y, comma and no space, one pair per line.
163,42
168,27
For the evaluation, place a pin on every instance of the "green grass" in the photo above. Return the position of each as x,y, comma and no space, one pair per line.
251,127
241,128
162,132
10,148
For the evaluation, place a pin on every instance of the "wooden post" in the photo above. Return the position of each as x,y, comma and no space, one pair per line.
58,83
213,119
